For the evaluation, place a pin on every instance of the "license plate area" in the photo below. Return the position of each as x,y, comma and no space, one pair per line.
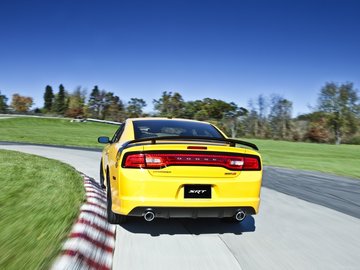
197,191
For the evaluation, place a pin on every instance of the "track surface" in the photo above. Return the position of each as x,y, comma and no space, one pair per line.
336,192
289,233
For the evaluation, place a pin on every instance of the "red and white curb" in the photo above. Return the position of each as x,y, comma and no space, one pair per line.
91,242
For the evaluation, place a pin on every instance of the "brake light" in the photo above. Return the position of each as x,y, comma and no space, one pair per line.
135,161
251,163
161,160
144,161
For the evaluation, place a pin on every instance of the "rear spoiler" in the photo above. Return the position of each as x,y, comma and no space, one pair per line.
231,142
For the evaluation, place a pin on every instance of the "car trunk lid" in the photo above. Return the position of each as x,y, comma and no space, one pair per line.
192,160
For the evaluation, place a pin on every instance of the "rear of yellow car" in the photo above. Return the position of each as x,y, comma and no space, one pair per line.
196,173
187,181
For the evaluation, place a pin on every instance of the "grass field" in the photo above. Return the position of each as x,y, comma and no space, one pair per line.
39,201
54,131
336,159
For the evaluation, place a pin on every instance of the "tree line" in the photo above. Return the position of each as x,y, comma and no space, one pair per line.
335,119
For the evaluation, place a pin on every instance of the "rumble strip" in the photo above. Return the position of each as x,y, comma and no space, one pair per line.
91,242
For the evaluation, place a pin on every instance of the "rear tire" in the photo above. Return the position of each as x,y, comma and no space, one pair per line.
112,217
102,178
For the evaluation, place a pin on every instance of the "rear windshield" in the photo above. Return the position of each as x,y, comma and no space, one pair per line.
160,128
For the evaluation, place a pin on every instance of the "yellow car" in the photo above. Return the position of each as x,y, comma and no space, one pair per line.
165,168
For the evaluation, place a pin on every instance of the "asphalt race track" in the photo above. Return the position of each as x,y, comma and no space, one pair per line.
289,233
338,193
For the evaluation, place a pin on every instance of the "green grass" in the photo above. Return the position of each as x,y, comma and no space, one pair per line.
39,201
54,131
336,159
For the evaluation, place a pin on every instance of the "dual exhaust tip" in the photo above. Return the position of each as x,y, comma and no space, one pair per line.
240,215
149,215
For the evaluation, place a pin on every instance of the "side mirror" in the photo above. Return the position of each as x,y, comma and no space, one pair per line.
103,139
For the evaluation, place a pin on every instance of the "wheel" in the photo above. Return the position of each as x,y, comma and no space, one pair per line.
112,217
102,176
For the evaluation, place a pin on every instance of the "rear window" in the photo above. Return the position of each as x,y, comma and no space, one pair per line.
160,128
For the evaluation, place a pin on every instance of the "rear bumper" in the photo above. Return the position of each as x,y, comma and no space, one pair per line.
191,212
140,190
187,208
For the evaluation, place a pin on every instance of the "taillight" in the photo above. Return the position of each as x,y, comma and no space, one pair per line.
161,160
135,161
153,161
251,163
144,161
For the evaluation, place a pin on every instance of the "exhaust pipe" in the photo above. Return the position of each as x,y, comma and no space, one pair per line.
240,215
149,216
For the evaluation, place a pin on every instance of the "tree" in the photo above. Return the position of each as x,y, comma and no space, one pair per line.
113,108
116,110
216,108
262,104
231,119
339,102
256,122
316,127
318,131
170,105
3,103
280,117
192,108
135,107
251,124
48,98
76,103
61,104
263,125
208,109
21,104
96,102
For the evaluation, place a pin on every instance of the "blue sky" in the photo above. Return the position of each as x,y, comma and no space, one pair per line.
233,50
